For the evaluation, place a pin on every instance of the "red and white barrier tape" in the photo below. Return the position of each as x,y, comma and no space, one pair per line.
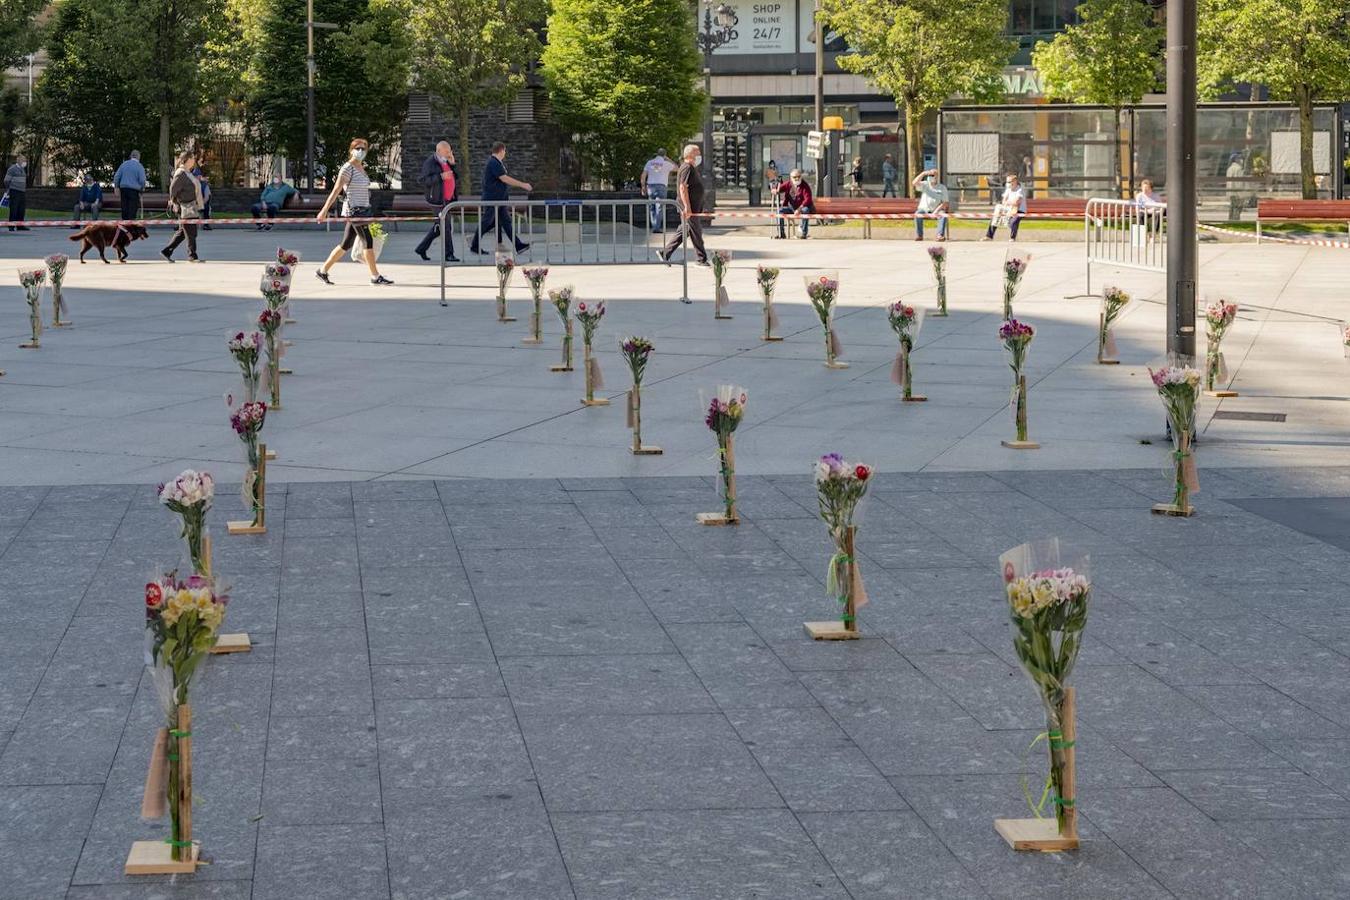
279,220
767,214
1306,242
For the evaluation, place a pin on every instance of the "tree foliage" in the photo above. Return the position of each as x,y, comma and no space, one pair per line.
622,75
470,53
922,52
1299,49
20,33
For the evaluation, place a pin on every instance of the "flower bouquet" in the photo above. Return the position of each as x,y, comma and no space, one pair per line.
937,255
1014,267
636,351
767,279
505,266
562,302
840,487
1048,594
269,323
1179,388
1113,301
190,495
1345,338
56,272
245,347
906,322
247,422
589,317
721,261
276,291
288,257
1219,315
31,280
534,277
1016,336
181,621
725,412
823,291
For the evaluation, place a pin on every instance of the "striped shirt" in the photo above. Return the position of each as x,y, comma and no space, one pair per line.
358,188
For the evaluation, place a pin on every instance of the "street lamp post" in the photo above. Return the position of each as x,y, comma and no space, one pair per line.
718,24
310,25
1181,188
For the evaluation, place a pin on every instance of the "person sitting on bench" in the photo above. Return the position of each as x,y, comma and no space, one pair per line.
794,196
91,199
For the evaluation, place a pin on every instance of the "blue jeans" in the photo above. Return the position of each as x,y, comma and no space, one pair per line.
918,224
888,187
804,209
656,213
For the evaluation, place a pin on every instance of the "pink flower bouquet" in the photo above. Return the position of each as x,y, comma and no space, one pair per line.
246,347
905,322
1219,316
1179,388
1016,337
823,290
766,277
840,487
721,262
56,273
190,495
247,422
505,266
562,304
589,317
31,281
535,277
1014,267
937,255
724,415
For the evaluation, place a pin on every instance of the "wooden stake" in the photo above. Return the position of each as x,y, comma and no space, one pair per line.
722,518
1044,835
1069,728
844,628
184,798
258,525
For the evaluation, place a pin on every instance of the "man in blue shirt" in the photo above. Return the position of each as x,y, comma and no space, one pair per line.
129,181
496,189
91,199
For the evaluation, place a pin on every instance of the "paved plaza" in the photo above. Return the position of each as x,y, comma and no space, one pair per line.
495,656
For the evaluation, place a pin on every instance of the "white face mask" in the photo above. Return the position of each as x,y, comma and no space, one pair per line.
359,154
698,159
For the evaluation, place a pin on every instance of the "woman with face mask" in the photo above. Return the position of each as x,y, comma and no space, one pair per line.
185,193
354,183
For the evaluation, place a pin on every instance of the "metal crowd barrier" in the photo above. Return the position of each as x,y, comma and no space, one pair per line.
562,232
1124,234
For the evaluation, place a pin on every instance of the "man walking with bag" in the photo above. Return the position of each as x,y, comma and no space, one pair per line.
440,185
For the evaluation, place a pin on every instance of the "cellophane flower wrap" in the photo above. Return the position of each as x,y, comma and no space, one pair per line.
535,276
1179,388
56,272
823,290
269,323
636,351
1014,267
246,348
1219,316
1345,338
937,255
190,496
1016,337
725,412
840,487
182,619
31,280
276,292
1114,301
505,266
247,421
766,278
589,316
905,322
1048,591
288,257
721,262
562,303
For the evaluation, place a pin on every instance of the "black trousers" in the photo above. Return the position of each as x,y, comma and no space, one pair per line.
691,228
18,205
490,220
131,203
187,230
433,233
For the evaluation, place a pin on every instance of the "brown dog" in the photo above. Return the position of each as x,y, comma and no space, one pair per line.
101,235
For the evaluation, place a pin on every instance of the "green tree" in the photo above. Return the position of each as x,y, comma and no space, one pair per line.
621,74
1299,49
1110,58
470,53
20,34
361,81
922,52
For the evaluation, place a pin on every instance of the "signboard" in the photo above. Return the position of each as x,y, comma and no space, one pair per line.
761,27
834,41
1285,149
816,144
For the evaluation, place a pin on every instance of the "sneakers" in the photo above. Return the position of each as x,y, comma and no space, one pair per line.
167,254
423,254
195,259
663,256
322,276
380,279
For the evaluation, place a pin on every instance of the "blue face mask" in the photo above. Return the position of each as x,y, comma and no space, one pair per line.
359,154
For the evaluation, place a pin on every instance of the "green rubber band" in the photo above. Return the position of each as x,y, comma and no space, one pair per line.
173,843
847,619
180,734
1061,745
1060,801
173,757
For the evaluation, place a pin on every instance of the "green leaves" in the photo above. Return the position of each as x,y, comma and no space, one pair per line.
1112,56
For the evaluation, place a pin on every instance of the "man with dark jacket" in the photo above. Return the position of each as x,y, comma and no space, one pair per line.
439,178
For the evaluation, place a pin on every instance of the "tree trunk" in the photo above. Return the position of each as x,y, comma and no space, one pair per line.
913,143
166,161
1305,142
465,163
1115,157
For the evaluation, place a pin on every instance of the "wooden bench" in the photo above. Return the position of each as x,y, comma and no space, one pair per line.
1062,206
871,206
1302,211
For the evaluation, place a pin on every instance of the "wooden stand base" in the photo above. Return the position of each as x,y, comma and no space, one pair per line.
270,455
716,519
237,642
561,369
62,324
1034,834
836,365
772,338
30,346
1221,394
287,321
720,316
285,371
916,398
600,401
531,340
1103,362
939,315
506,318
1021,445
833,630
156,858
245,527
1171,509
647,450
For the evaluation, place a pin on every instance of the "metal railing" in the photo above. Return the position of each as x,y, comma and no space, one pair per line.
562,232
1124,234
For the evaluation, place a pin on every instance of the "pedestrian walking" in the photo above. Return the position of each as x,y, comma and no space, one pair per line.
91,199
129,181
205,181
271,199
185,201
689,194
934,202
889,175
655,184
1012,206
440,183
855,178
794,197
16,193
354,184
496,190
1237,197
